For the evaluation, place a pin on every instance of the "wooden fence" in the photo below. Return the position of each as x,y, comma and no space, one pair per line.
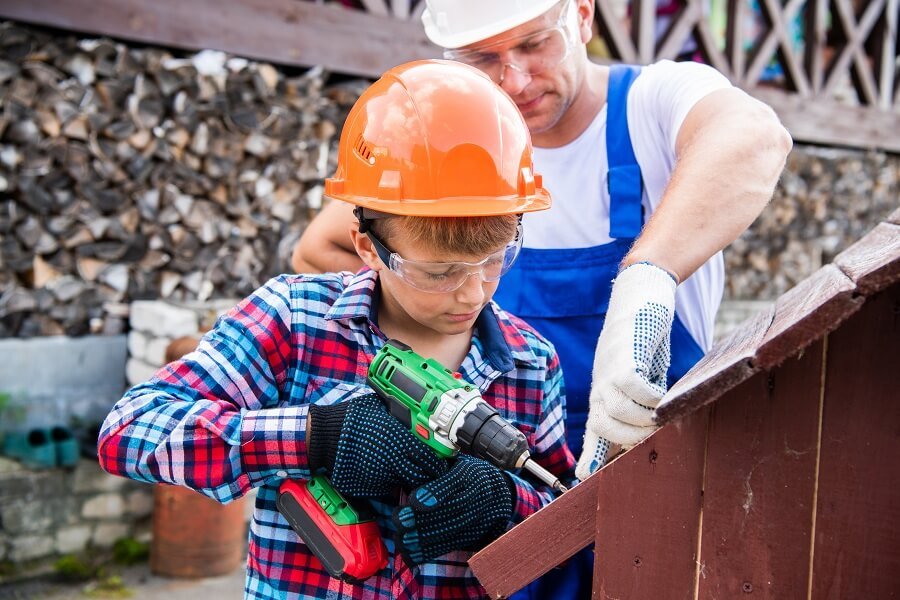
775,471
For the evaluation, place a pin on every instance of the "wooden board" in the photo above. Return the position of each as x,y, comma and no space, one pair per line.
561,528
874,261
281,31
648,515
805,313
727,364
827,123
857,543
760,484
894,217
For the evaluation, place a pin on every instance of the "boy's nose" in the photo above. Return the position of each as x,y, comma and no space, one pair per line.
471,292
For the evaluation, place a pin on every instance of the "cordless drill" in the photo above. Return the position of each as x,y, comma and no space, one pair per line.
448,413
442,410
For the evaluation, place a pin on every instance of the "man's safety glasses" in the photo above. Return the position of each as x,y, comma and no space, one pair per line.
439,277
531,54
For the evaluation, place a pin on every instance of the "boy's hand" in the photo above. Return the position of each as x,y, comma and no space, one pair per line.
366,451
468,506
630,364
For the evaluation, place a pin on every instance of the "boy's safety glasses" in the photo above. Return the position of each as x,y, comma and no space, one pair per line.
440,277
531,54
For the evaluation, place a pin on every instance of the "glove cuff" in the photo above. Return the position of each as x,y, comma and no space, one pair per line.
654,267
324,434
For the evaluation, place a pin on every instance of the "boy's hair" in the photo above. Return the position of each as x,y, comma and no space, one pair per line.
459,235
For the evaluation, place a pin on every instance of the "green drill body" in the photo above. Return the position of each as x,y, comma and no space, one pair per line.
448,413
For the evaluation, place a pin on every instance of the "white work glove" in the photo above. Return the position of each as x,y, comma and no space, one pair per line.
630,364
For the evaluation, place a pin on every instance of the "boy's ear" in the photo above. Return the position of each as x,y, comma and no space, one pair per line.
365,249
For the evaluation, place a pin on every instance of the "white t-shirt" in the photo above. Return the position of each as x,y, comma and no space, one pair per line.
575,174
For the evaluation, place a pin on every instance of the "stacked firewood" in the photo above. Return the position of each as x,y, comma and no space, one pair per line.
130,173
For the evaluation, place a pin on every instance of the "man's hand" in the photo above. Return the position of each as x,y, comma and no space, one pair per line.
366,451
630,364
462,510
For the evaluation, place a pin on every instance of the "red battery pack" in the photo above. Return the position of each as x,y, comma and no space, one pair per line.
345,540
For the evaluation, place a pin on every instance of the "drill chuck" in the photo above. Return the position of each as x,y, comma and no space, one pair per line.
485,434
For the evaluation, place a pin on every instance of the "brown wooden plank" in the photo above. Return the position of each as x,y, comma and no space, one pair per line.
857,534
894,217
643,28
560,529
856,34
807,312
760,484
727,364
648,515
885,63
825,122
816,23
281,31
873,262
614,33
734,38
777,39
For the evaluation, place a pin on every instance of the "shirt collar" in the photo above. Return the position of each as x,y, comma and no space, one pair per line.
358,300
501,339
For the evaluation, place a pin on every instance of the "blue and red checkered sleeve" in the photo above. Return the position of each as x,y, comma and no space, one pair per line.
549,446
212,421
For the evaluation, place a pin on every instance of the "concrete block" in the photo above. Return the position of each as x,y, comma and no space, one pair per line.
137,344
9,467
161,319
104,506
27,484
27,547
156,351
89,477
139,503
72,539
53,379
106,534
22,517
137,371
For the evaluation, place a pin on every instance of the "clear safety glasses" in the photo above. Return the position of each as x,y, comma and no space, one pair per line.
438,277
531,54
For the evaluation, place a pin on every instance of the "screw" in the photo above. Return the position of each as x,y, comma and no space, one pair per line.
747,588
637,561
653,456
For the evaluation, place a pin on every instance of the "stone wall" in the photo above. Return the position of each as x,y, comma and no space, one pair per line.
132,173
59,511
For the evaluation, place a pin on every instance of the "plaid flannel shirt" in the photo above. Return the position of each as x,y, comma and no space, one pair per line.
231,416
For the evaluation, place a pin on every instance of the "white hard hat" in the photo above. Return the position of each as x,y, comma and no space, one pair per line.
455,23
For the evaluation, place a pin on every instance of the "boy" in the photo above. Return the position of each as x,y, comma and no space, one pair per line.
437,160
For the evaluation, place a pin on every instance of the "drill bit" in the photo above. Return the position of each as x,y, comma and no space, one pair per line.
544,475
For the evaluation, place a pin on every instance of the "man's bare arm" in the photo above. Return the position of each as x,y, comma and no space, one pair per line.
730,152
325,246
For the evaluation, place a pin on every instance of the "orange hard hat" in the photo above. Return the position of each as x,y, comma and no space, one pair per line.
436,138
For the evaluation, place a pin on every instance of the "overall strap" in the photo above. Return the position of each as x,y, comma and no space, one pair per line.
624,179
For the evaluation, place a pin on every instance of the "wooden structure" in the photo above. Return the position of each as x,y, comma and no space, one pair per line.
842,39
775,473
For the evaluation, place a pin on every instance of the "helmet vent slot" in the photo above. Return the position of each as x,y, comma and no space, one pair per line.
362,149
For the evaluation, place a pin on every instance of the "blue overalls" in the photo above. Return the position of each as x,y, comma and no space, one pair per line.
564,294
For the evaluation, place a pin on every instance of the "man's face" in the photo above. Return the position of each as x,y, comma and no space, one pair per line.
542,97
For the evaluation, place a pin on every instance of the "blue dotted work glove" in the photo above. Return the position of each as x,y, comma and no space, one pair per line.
464,509
630,364
365,451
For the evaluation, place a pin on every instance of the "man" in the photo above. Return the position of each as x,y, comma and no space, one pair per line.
708,156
